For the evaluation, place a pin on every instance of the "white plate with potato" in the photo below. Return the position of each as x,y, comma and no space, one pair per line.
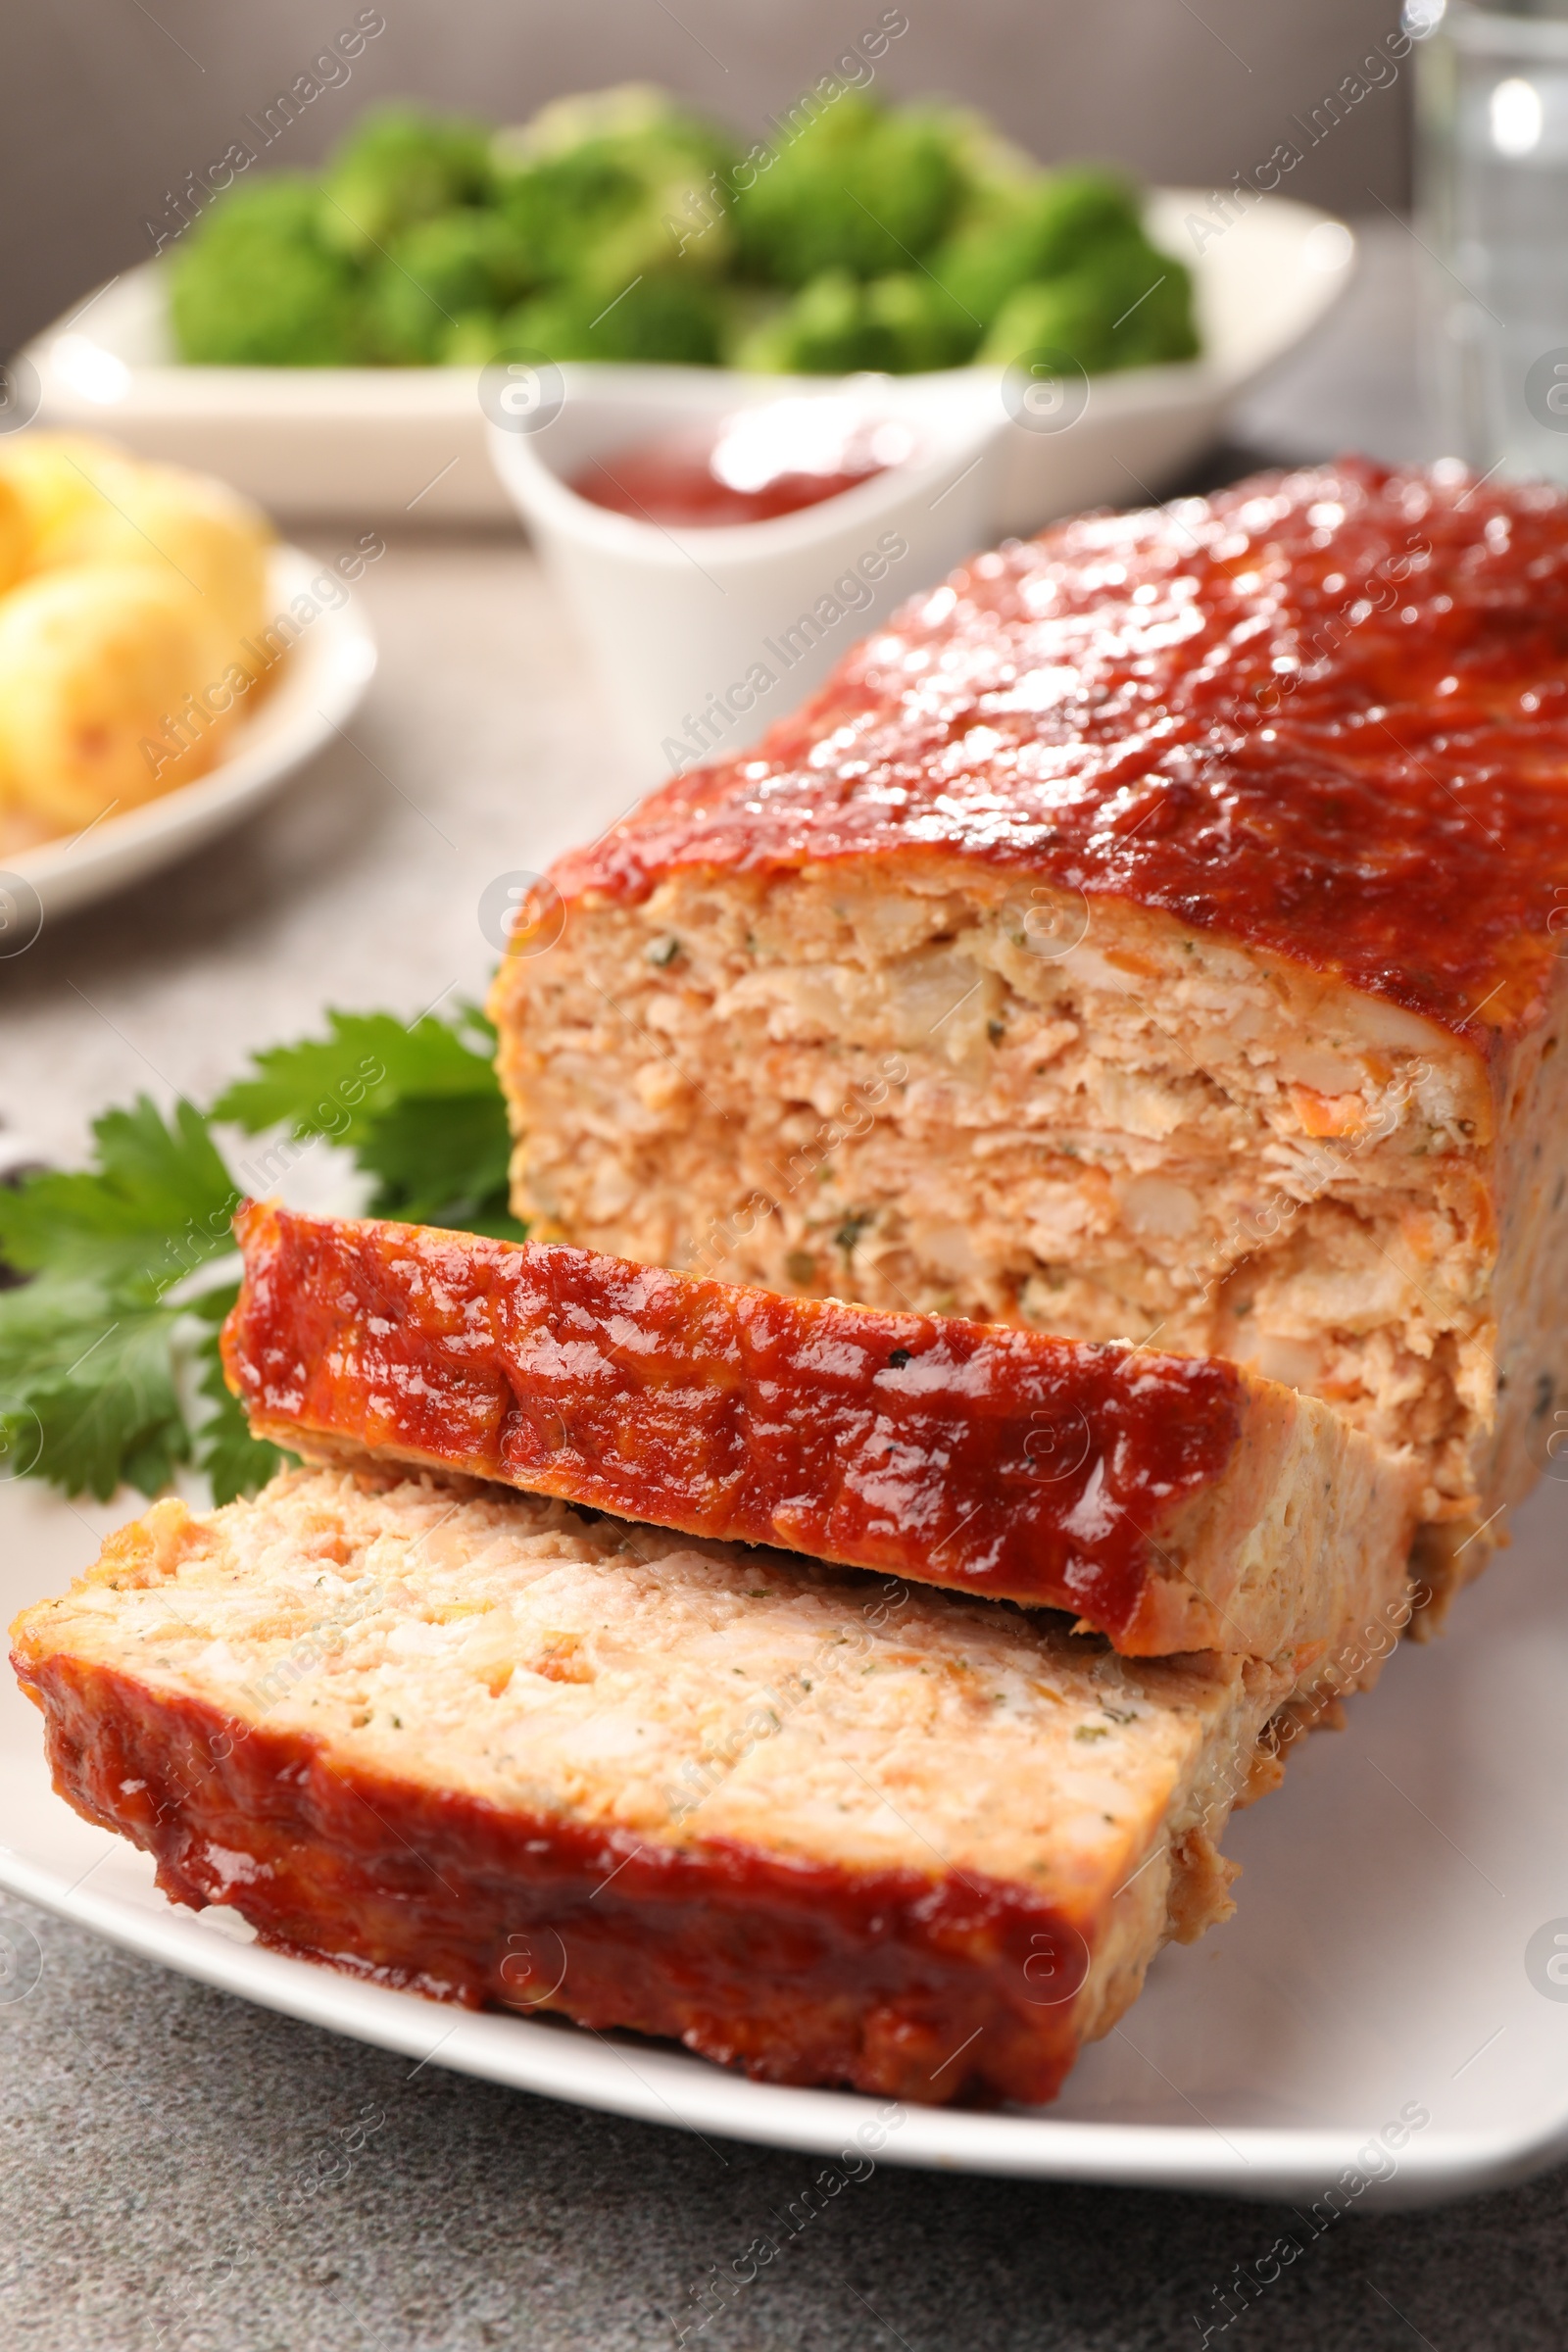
321,680
164,664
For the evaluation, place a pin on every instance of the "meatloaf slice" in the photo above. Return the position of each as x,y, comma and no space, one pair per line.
1156,932
462,1740
1174,1503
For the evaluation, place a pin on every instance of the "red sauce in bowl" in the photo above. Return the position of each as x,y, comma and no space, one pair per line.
759,462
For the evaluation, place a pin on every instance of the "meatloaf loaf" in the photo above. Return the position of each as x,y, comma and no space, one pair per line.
461,1739
1173,1502
1156,932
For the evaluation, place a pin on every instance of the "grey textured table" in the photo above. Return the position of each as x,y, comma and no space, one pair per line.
170,2158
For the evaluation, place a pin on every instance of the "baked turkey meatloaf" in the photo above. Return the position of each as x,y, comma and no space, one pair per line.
1155,932
1173,1502
830,1828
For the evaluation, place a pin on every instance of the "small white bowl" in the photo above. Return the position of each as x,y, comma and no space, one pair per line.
702,637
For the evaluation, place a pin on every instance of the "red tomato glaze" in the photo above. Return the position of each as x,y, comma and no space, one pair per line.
978,1455
798,1970
1323,712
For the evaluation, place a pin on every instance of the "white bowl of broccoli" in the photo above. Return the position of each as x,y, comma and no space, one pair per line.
319,339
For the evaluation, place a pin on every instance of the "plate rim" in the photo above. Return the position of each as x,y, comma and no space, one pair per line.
1262,2164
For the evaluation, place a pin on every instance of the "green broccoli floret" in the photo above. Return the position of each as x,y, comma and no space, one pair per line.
603,187
989,167
857,190
823,331
672,317
400,165
899,323
587,219
1160,322
613,226
929,329
283,202
464,261
1031,231
1127,306
473,339
253,286
629,111
1060,315
745,312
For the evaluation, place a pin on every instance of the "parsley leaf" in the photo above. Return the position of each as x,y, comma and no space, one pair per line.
157,1206
364,1065
88,1376
418,1108
235,1462
442,1160
103,1349
87,1391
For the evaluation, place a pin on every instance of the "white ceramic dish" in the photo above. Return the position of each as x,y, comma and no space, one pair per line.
322,678
1378,1962
740,622
386,441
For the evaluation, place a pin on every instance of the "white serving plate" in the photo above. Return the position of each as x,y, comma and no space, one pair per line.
1377,1962
321,681
385,441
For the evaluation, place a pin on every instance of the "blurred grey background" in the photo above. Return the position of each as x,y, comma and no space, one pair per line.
105,105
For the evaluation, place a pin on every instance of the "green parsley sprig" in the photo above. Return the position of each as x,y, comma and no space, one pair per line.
111,1339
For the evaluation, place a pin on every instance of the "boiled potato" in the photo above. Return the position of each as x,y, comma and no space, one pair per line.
52,474
183,526
15,537
98,665
126,592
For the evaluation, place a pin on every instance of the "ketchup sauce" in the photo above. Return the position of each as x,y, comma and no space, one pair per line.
751,467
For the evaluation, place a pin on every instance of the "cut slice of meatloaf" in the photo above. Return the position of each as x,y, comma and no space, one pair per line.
1156,932
1173,1503
828,1827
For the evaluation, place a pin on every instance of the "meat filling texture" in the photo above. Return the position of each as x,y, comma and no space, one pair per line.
968,1094
796,1816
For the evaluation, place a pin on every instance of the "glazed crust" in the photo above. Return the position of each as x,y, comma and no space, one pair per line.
1323,713
875,1977
1127,1486
466,1741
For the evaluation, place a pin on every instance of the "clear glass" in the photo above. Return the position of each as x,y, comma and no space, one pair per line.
1492,147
